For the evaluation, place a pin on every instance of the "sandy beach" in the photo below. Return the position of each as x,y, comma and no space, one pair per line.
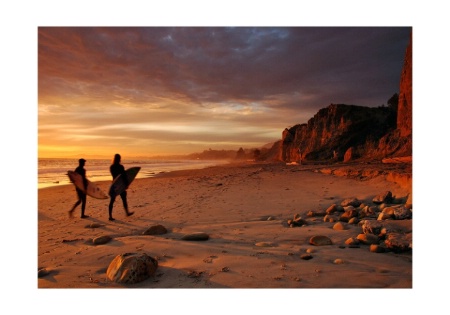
244,209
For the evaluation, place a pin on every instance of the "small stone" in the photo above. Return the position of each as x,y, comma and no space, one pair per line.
101,240
384,216
352,241
331,209
351,202
198,236
306,257
350,212
338,261
155,230
371,227
93,226
316,213
368,239
374,248
320,240
339,226
385,197
353,220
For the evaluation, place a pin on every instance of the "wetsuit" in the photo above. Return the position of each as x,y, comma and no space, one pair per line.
117,169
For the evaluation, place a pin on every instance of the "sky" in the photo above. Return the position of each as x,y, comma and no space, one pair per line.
148,91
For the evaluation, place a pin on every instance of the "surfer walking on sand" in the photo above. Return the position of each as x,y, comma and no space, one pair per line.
81,195
117,169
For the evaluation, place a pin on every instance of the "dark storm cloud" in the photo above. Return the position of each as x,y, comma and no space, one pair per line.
313,66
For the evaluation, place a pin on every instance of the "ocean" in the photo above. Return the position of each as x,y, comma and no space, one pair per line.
53,172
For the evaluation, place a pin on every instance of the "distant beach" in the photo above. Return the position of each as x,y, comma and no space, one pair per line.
53,172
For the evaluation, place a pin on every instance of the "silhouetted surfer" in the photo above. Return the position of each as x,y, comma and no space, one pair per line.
117,169
81,195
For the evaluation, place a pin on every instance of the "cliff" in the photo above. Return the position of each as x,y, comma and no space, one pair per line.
404,119
342,132
336,129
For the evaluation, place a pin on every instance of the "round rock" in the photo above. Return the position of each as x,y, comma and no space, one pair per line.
320,240
101,240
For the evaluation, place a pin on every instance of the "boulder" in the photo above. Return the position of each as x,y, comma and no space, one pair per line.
398,242
131,268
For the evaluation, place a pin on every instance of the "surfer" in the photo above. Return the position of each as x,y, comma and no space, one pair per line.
81,195
117,169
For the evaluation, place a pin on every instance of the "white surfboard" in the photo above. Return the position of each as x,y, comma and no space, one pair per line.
92,190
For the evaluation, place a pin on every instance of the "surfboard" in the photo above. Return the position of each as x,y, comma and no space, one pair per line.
92,190
118,185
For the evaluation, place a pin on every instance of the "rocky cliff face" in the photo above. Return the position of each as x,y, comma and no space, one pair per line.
404,119
336,129
342,132
399,142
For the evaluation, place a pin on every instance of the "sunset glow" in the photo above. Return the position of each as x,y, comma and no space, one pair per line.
165,91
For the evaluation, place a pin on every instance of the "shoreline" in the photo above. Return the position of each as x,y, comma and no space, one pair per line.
399,173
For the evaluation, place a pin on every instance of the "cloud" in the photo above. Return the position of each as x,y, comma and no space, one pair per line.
200,77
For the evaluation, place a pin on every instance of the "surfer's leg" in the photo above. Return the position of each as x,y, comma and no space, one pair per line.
125,203
110,208
83,206
73,208
123,195
75,205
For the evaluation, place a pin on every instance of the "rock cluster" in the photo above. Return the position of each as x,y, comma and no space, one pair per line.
297,221
377,221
